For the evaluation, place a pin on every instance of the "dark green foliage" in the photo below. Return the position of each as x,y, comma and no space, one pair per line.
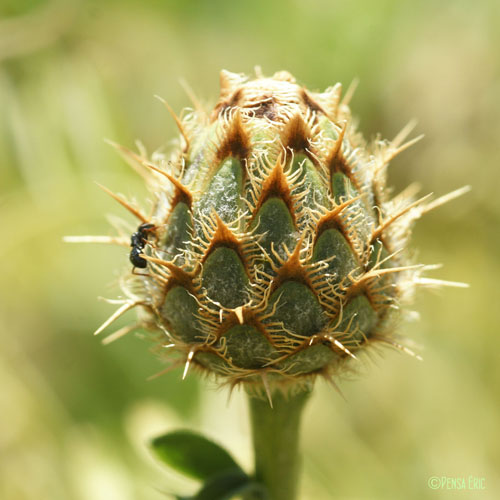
196,456
193,455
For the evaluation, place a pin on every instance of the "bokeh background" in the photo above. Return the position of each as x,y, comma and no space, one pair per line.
75,416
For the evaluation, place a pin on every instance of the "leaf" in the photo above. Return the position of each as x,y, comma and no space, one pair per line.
194,455
226,486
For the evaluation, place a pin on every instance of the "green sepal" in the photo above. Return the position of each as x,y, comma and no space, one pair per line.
178,232
330,244
212,362
359,316
223,195
313,185
194,455
276,225
199,155
248,348
180,307
298,309
224,278
308,360
342,188
379,254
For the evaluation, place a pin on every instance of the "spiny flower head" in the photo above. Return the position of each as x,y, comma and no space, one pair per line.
273,252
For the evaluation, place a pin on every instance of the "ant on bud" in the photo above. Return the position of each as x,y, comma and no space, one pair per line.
137,242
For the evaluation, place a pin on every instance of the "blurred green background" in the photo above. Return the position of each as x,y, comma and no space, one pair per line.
75,415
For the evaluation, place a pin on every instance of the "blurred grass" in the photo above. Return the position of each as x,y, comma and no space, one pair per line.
75,415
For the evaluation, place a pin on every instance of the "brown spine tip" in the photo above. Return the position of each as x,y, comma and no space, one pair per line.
236,141
124,203
276,185
176,275
222,236
178,122
336,161
311,103
182,193
332,220
296,134
291,269
336,151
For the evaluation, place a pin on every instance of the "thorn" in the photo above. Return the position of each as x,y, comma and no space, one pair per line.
112,301
188,362
112,240
176,182
403,134
338,209
176,119
141,148
437,283
431,267
406,145
408,193
239,314
400,347
119,334
343,348
122,202
446,198
192,97
350,92
377,232
129,156
265,382
376,273
328,377
121,310
408,351
164,371
338,143
230,393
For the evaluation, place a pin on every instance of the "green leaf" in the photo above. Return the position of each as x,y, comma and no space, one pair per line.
228,485
194,455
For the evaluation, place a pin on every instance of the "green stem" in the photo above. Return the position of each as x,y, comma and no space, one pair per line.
275,434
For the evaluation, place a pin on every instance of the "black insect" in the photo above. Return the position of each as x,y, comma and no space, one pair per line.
137,242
